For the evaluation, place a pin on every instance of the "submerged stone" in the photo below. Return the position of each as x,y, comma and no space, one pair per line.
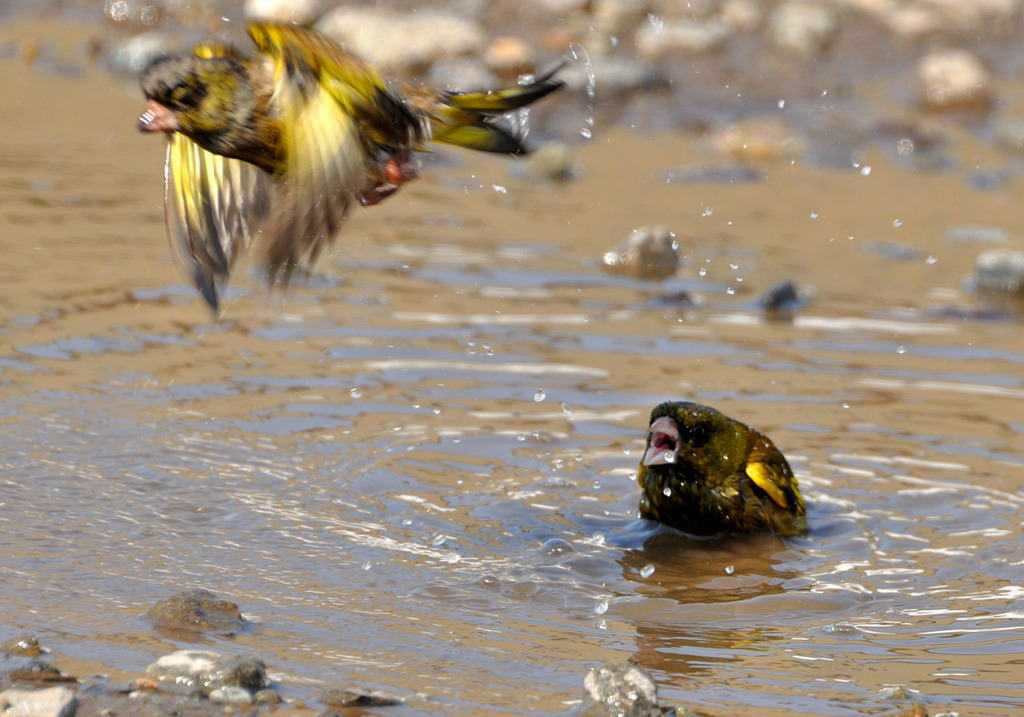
621,690
198,610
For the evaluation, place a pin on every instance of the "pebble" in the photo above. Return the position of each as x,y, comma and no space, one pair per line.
1000,270
50,702
757,138
621,690
402,40
655,40
954,78
209,670
198,610
359,698
301,12
648,253
132,55
805,29
509,55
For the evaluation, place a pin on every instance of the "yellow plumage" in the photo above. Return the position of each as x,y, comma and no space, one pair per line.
282,143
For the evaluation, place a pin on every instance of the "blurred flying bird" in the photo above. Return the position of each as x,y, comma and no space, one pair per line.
281,143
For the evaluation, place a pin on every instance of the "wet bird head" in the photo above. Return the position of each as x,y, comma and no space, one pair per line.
209,98
694,439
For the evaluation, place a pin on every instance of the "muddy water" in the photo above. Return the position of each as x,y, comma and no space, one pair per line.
416,473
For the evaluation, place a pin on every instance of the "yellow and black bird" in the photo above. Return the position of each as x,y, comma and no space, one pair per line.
705,473
281,143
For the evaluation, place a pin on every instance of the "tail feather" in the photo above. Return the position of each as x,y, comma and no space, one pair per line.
470,119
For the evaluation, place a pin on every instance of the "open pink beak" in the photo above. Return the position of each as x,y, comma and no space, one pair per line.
665,442
157,118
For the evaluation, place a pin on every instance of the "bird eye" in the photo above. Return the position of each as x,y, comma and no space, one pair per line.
698,434
189,92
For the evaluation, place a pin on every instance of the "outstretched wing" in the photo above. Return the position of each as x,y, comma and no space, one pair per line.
340,124
213,205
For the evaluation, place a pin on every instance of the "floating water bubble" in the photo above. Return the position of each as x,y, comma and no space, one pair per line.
539,395
647,571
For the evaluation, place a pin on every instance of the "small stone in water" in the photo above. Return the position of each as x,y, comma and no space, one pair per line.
621,690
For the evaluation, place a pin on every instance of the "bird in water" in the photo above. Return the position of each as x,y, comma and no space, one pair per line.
281,143
705,473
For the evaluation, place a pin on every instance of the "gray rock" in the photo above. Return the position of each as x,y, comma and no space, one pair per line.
622,690
393,40
1000,270
208,670
231,695
648,253
51,702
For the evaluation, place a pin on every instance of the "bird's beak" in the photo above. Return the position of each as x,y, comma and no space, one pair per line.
663,444
157,118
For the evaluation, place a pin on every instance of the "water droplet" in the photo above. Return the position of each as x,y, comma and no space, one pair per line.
897,223
729,569
539,395
438,540
865,170
367,565
708,211
602,606
437,411
667,492
578,457
703,271
730,291
558,463
647,571
670,456
625,451
521,437
814,215
782,104
566,409
901,350
656,23
586,133
452,558
598,538
355,393
931,259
